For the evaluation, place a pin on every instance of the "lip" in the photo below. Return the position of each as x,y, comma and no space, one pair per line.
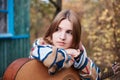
61,43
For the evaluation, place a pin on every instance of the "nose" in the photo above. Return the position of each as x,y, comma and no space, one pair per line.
62,35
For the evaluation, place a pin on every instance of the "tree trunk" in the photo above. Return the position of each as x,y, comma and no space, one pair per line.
57,5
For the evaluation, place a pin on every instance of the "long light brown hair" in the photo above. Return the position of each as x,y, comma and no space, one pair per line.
73,18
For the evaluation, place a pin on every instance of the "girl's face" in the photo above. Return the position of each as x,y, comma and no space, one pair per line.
62,37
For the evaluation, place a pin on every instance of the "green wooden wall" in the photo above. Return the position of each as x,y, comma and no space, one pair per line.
19,45
12,49
22,19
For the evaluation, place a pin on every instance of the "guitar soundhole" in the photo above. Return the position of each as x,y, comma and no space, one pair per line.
69,77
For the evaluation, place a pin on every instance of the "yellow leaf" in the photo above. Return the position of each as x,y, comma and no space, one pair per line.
109,18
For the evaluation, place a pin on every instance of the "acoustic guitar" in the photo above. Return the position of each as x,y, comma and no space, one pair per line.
32,69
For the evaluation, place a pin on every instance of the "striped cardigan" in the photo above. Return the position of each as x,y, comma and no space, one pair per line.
57,58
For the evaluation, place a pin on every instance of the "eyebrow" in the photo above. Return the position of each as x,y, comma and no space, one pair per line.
68,29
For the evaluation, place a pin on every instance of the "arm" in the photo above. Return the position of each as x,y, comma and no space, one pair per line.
52,57
91,71
87,68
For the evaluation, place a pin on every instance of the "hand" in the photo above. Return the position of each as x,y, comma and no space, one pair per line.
73,52
41,41
116,68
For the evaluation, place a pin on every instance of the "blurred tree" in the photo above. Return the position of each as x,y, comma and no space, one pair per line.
116,27
100,21
58,6
42,13
99,35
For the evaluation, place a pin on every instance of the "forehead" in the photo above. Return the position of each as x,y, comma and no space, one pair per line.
66,24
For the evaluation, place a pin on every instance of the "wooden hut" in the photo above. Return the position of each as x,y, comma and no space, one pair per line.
14,31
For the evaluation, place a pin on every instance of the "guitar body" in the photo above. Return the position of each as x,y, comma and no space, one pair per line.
31,69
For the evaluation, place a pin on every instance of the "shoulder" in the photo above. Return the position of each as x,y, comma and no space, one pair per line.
39,41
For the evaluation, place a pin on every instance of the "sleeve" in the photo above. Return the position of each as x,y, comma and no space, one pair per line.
87,68
52,57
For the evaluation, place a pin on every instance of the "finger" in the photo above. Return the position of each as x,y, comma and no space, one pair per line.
117,68
118,72
78,50
118,64
114,63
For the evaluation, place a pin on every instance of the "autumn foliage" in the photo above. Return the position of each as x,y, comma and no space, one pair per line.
100,21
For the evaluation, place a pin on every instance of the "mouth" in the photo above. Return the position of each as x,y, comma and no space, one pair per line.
61,43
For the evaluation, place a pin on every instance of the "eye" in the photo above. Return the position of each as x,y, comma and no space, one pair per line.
57,29
69,32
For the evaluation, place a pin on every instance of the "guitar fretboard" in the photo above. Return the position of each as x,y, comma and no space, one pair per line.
107,74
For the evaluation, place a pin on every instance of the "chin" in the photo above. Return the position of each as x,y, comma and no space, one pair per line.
60,47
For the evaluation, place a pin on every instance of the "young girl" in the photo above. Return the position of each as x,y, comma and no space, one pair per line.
61,47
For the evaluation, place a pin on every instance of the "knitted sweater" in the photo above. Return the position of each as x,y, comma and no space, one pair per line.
57,58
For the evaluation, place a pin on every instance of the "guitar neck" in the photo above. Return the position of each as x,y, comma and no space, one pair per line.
107,74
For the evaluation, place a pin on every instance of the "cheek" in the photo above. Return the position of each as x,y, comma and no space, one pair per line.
70,39
54,36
